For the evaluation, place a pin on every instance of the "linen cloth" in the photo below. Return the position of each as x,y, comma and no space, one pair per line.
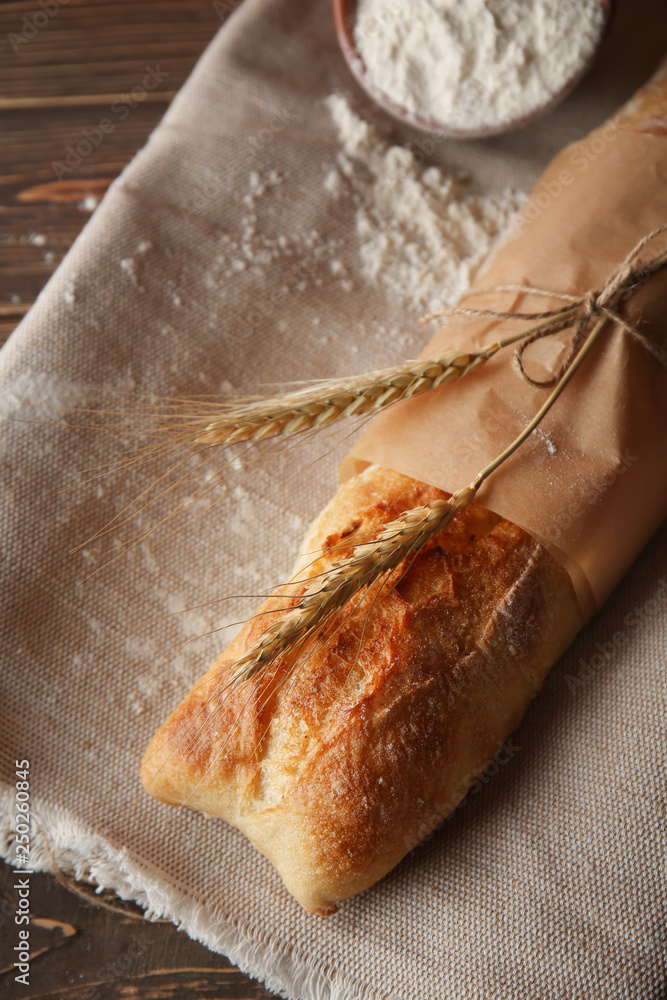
208,268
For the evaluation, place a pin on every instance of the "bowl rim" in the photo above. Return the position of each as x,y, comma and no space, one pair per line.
344,16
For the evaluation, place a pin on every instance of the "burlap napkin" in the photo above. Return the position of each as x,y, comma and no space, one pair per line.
208,268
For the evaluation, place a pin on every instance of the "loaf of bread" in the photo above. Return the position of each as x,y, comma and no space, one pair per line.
341,757
337,763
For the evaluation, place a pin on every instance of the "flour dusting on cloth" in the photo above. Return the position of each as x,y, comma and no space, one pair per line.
422,231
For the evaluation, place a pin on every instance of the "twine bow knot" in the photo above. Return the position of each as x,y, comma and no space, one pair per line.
314,611
581,311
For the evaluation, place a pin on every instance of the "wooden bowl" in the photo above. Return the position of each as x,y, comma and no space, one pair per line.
344,17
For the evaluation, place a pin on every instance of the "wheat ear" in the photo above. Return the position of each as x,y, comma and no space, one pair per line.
325,595
202,423
334,399
328,593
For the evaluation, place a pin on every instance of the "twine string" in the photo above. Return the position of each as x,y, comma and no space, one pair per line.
585,308
327,593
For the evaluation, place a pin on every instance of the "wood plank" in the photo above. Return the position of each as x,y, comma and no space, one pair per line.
52,87
83,952
57,83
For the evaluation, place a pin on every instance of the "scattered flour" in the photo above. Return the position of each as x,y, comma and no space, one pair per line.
421,232
475,63
34,394
129,265
251,247
89,203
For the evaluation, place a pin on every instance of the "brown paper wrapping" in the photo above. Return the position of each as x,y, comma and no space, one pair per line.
591,481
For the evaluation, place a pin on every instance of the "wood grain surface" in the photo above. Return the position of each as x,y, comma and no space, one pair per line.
83,952
62,68
56,82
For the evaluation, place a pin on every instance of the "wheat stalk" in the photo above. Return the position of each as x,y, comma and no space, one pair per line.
325,595
328,593
334,399
209,423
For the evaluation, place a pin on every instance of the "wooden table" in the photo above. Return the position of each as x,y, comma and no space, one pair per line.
61,66
56,82
83,952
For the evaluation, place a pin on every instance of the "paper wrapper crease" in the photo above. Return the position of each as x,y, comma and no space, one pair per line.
219,262
591,482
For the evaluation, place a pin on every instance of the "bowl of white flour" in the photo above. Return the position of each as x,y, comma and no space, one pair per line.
469,67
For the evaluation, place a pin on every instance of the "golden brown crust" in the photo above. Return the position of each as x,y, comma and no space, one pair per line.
376,735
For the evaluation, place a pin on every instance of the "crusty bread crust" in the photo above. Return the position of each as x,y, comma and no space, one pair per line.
375,736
